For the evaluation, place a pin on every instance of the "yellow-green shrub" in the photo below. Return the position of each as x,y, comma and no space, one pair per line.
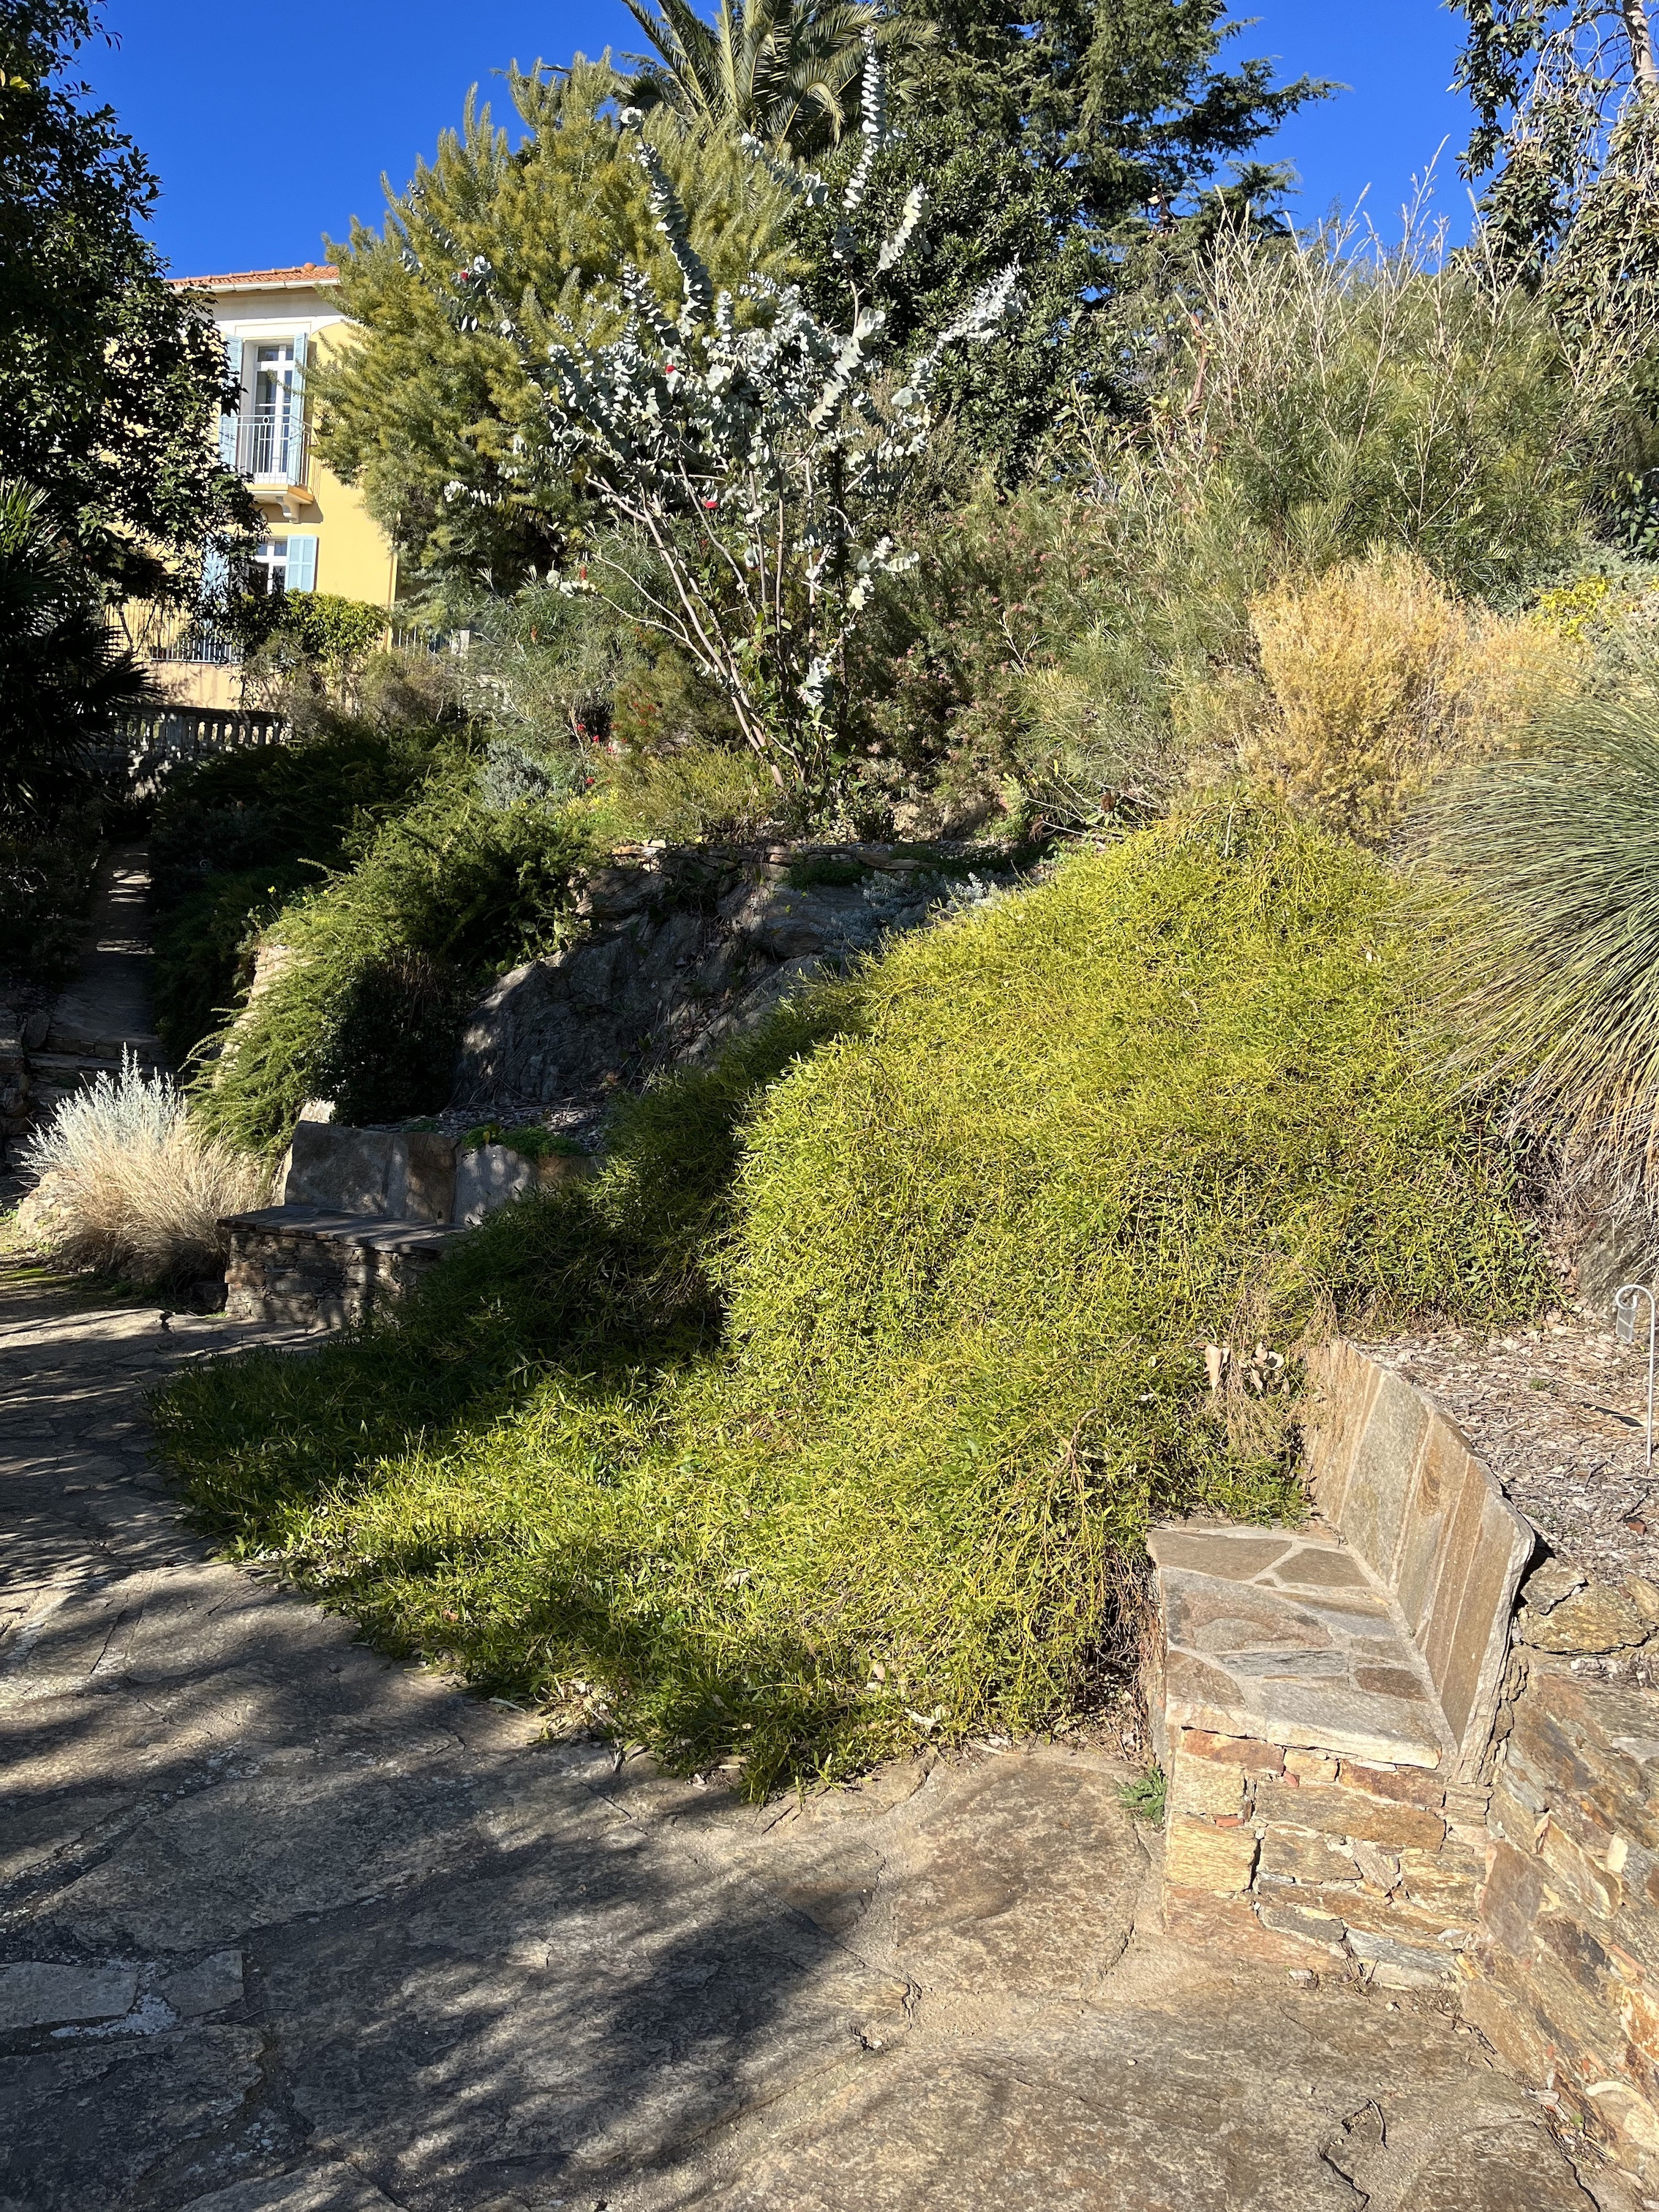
972,1220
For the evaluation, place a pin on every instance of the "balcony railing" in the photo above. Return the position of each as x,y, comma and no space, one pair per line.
273,442
198,642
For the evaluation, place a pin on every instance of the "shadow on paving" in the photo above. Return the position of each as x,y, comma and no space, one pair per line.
287,1928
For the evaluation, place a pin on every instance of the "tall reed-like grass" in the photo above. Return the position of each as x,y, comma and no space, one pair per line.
127,1184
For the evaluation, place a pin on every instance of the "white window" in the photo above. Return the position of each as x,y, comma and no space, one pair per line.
268,570
284,565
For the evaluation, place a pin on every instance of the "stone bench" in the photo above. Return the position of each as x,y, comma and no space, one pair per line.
363,1214
1323,1698
304,1267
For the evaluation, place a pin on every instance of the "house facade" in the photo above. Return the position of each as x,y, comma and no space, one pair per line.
317,535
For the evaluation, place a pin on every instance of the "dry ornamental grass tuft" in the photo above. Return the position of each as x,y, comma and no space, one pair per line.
129,1186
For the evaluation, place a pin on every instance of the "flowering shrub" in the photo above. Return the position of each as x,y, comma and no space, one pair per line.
739,445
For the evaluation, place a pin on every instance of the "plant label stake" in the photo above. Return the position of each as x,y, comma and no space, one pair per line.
1624,1306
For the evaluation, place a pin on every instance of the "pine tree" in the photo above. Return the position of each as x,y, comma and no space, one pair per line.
1053,138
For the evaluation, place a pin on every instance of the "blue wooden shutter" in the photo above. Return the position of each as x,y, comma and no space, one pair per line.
301,564
228,423
294,440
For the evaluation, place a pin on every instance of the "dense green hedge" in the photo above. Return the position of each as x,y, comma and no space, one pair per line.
832,1412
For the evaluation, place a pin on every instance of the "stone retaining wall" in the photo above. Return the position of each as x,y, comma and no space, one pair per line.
333,1271
684,947
1326,1864
1520,1866
1564,1976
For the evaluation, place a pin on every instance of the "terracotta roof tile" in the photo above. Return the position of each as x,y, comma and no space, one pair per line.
253,280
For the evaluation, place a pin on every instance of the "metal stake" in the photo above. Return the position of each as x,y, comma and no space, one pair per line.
1624,1306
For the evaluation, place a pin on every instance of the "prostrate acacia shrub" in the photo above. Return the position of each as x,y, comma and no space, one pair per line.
384,959
973,1219
237,835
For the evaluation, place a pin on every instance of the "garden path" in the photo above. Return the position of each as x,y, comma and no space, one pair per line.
287,1926
107,1009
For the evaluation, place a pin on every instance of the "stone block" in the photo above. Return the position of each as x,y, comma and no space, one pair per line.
1575,1874
1597,1618
1287,1914
1303,1854
1206,1785
488,1177
1383,1474
1396,1915
1466,1639
1335,1810
1402,1966
38,1993
1311,1765
339,1170
1199,1856
1448,1880
1244,1751
1230,1926
1345,1384
422,1184
1407,1785
1512,1900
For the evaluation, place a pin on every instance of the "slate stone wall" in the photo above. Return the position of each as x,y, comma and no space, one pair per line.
685,946
1564,1976
1321,1864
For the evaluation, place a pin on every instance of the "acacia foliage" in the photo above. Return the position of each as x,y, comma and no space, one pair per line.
830,1415
424,416
111,376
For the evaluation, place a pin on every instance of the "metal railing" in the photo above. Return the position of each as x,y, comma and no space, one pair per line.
273,441
200,642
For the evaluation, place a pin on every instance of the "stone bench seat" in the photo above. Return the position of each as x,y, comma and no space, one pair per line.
307,1267
1287,1638
1323,1700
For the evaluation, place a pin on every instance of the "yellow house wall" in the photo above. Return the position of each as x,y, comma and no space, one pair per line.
353,558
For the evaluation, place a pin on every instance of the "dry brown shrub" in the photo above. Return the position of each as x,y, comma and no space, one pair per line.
1375,680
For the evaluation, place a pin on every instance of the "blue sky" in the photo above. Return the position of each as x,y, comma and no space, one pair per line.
271,128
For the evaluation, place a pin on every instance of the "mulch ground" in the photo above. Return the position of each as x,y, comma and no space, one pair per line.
1558,1412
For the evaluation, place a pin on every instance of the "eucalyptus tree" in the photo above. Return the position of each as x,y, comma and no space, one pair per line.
1567,132
745,457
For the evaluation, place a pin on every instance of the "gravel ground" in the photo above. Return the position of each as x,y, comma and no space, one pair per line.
1558,1414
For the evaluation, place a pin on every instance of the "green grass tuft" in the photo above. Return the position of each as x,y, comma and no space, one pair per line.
828,1417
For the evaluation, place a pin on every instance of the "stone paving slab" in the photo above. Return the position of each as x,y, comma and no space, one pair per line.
285,1927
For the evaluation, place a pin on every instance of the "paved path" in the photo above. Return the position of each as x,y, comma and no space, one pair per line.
108,1004
287,1928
